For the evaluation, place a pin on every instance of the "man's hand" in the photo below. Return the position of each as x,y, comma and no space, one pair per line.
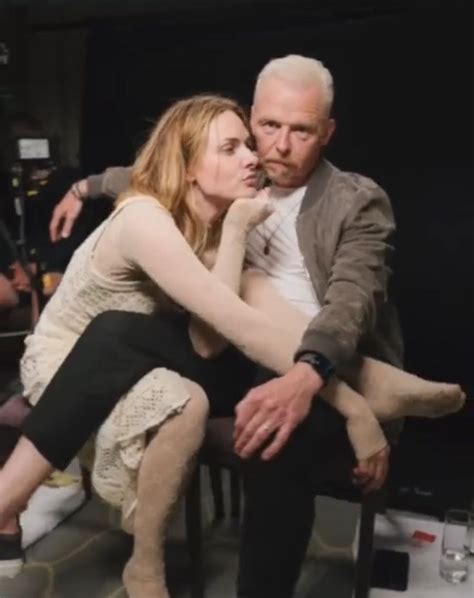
371,473
275,408
66,212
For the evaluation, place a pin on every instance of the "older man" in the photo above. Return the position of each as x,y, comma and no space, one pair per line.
326,248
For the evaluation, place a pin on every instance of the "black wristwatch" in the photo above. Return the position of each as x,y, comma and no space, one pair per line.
320,364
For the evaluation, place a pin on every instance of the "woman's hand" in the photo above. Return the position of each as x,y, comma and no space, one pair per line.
246,213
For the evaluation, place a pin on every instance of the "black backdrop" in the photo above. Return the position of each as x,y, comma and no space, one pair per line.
403,75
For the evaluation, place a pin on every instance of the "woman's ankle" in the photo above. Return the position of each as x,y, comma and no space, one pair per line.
9,525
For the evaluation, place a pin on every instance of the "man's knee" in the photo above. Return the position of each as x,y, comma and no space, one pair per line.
293,462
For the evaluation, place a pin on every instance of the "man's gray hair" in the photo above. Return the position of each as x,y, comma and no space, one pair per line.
301,71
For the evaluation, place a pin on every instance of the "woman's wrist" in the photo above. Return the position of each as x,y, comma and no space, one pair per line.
234,232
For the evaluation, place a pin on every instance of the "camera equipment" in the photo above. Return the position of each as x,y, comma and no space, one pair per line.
33,148
30,167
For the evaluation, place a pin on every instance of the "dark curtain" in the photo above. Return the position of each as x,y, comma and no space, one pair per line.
403,73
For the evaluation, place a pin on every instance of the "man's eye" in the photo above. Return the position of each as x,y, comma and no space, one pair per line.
270,125
303,134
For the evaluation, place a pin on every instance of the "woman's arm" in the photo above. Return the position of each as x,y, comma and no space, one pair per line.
227,267
241,217
149,239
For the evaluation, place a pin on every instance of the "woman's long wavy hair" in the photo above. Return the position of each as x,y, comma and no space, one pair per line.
162,164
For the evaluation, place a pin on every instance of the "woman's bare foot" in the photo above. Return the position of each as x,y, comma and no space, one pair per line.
393,393
141,583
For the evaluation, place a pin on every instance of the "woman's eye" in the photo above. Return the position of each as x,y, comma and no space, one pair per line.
228,149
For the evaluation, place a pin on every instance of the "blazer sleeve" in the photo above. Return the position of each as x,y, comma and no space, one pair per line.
358,280
111,182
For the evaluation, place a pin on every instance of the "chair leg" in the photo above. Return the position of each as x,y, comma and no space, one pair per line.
194,534
215,473
86,482
235,494
363,571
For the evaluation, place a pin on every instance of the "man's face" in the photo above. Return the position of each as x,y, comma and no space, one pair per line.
291,127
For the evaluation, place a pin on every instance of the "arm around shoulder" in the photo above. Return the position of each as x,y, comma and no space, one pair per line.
111,182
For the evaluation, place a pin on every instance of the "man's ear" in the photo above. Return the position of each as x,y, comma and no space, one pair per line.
330,130
252,112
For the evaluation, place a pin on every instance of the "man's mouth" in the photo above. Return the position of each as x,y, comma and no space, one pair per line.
278,163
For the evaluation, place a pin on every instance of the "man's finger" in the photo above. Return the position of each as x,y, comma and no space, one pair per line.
245,434
67,226
54,226
362,469
382,471
243,414
373,483
258,438
281,438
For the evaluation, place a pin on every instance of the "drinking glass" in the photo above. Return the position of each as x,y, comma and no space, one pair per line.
453,565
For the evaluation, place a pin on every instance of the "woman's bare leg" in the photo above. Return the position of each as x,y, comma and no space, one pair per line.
390,392
165,465
21,475
364,431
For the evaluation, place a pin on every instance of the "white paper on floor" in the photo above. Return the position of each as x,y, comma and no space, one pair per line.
335,538
48,507
394,531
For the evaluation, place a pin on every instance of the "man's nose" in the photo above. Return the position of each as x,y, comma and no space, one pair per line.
283,142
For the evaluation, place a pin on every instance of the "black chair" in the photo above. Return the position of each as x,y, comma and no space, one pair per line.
217,455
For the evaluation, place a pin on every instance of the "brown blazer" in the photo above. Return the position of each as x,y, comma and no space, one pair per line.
344,231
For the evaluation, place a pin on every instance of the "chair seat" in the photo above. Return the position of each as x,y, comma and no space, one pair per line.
218,446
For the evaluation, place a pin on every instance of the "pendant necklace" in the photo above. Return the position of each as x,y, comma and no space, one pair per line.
267,240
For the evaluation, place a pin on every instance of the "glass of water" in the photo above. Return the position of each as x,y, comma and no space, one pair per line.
454,566
470,534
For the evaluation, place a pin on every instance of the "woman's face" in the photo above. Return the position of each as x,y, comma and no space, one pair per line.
228,166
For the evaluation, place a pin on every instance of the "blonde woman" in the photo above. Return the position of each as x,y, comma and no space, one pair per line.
144,257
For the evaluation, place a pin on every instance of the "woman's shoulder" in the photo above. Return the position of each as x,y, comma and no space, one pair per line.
141,207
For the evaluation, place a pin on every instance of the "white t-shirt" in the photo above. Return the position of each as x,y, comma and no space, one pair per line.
283,262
